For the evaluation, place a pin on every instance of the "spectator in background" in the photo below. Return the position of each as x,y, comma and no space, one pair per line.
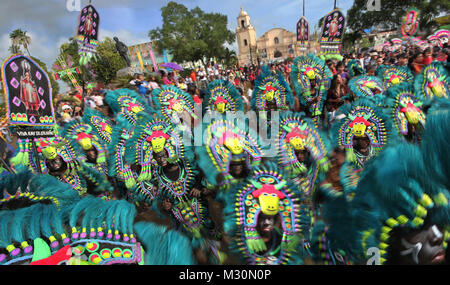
427,56
67,114
340,69
165,79
402,59
371,70
416,62
140,83
181,84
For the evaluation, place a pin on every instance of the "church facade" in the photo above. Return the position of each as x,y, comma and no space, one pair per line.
275,44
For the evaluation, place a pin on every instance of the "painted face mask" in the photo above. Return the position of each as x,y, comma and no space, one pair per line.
268,196
158,140
436,85
359,124
220,104
296,136
411,111
231,141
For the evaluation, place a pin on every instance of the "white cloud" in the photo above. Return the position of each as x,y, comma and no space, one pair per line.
127,37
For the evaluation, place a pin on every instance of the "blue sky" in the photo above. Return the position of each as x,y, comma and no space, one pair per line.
50,23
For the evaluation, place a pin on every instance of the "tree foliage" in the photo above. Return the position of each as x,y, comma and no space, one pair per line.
391,13
191,35
19,38
108,62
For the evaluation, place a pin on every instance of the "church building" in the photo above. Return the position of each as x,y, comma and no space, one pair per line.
275,44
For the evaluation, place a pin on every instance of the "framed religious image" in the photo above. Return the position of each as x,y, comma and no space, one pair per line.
333,27
28,92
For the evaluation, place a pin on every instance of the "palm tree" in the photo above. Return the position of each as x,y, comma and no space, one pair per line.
19,38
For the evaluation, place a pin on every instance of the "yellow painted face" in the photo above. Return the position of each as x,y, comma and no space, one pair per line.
412,116
269,95
158,144
86,143
370,85
297,143
269,203
311,74
49,152
234,145
177,107
438,90
395,81
136,109
108,129
220,107
359,129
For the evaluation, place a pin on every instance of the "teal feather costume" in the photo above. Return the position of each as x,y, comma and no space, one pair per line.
305,69
222,93
249,200
215,157
128,106
362,119
406,109
298,133
370,87
432,82
82,137
174,105
380,207
164,246
392,75
270,87
354,68
101,126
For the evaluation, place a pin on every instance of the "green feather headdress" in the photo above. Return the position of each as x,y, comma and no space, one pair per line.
243,207
432,82
304,69
267,82
222,91
370,87
392,75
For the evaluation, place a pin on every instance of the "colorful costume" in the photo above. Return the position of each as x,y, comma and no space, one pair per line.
306,69
381,213
128,107
392,75
175,106
298,134
101,126
432,82
221,96
264,192
271,92
354,68
226,144
406,110
370,87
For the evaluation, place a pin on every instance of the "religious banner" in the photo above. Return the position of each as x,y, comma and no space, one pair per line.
303,33
333,28
87,33
410,23
28,93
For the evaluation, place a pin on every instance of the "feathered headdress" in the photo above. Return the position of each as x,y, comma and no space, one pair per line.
392,75
370,87
362,119
405,107
101,126
271,87
432,82
222,96
354,68
304,69
226,142
171,101
299,133
265,191
128,106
